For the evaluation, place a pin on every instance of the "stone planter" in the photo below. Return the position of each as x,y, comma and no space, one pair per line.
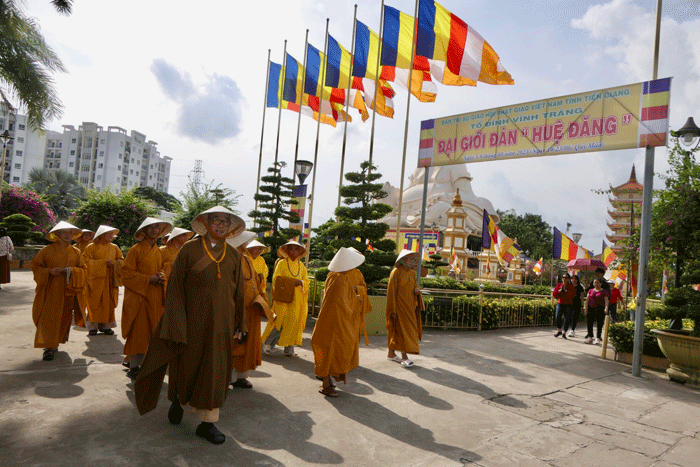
655,363
23,256
684,353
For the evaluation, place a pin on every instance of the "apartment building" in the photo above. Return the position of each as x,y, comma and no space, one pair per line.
110,159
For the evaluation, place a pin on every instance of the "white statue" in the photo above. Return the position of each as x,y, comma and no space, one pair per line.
443,183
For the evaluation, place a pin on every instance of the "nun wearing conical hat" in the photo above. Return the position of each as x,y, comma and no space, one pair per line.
174,241
256,249
290,297
204,315
144,280
59,273
335,340
104,261
403,319
84,239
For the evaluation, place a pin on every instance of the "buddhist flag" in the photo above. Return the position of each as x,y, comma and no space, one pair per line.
369,246
396,56
537,268
493,238
338,64
453,51
653,125
314,89
608,255
426,256
566,249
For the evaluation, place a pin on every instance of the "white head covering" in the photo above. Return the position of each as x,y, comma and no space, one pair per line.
165,227
281,251
63,225
176,232
256,244
346,259
237,224
103,229
405,253
240,239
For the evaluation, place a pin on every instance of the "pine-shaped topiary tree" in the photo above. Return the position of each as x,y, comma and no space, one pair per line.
275,202
357,222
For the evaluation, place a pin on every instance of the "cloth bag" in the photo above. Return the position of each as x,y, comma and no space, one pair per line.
284,289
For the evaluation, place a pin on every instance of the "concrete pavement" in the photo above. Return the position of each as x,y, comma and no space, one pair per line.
497,398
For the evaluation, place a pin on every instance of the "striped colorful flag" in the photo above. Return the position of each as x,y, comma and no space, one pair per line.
367,47
338,64
608,255
537,268
314,89
653,125
369,245
616,275
566,249
453,51
427,134
493,238
396,55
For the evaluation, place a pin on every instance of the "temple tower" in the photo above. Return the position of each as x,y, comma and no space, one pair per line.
626,211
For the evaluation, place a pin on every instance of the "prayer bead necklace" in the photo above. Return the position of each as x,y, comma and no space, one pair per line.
223,255
290,269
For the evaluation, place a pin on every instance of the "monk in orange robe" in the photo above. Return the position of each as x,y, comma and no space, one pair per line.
248,356
143,279
403,321
335,340
173,242
104,260
256,249
59,273
81,243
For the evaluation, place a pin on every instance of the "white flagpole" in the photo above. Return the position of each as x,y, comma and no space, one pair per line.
262,133
281,96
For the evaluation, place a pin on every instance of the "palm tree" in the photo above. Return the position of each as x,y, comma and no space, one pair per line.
26,62
60,189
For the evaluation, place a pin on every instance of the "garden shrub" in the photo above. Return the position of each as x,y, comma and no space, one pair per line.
622,336
21,200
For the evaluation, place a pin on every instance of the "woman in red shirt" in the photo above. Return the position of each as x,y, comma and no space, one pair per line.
596,308
615,298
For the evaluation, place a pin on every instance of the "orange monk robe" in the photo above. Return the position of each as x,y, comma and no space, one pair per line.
291,317
254,288
358,280
335,338
169,253
407,330
102,289
261,267
55,300
80,318
143,300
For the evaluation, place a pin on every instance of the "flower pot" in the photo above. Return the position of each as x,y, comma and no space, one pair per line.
684,353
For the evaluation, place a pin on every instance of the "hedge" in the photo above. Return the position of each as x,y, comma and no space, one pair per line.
622,336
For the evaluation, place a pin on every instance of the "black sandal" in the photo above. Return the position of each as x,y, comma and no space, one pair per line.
209,432
92,332
107,332
48,355
242,383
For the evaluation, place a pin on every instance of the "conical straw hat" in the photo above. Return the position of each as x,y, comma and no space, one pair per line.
405,253
63,225
237,224
84,231
257,244
346,259
240,239
103,229
176,232
282,250
165,227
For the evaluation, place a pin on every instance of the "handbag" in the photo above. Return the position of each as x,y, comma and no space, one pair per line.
284,289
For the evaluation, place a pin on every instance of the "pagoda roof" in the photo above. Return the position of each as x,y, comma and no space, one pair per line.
631,185
616,213
624,202
616,226
614,238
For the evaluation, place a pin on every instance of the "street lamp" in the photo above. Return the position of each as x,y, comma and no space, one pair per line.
688,134
6,138
302,169
577,237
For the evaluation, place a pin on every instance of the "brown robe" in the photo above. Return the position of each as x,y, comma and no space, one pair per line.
335,340
169,253
55,300
254,288
143,300
102,288
196,333
404,332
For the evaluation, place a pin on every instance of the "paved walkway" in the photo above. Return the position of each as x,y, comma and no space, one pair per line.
499,398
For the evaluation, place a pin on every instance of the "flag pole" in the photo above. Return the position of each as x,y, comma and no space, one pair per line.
322,78
262,133
376,84
347,105
405,134
422,224
301,104
279,100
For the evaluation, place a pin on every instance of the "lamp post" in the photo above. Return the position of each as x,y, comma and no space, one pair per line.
577,237
302,169
6,138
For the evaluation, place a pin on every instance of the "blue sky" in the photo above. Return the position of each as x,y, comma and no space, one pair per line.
192,79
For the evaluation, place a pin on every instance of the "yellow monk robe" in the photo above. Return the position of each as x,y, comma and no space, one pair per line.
335,338
169,253
143,300
101,289
254,288
261,266
291,317
55,300
407,330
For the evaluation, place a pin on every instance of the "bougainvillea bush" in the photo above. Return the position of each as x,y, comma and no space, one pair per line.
21,200
124,211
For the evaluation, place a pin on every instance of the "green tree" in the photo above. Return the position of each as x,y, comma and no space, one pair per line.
19,229
197,198
533,233
60,189
357,222
22,200
275,203
27,62
435,262
164,201
124,211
